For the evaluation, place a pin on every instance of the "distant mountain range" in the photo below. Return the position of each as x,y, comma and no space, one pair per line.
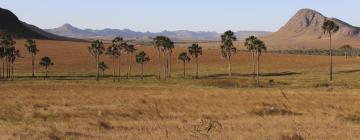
71,31
307,24
10,24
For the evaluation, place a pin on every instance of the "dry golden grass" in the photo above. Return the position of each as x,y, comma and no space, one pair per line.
296,99
77,110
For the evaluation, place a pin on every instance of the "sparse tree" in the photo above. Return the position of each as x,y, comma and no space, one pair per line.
96,49
103,67
259,47
129,49
330,27
249,44
46,63
227,47
141,59
32,49
113,52
195,50
346,49
184,58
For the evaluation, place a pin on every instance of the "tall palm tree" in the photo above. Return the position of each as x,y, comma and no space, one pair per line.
168,47
32,49
195,50
142,58
184,58
12,53
103,67
259,47
129,49
113,52
119,43
46,63
330,27
158,42
96,49
249,44
227,47
346,49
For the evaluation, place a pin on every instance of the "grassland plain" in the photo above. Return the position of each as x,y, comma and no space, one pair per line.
295,99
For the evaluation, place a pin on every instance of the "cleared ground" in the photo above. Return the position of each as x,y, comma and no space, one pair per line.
295,99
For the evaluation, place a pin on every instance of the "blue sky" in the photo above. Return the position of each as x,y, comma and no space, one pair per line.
158,15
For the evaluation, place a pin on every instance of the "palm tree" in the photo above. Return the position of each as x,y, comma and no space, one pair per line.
46,63
195,50
330,27
168,47
129,49
96,49
346,49
32,49
184,58
259,47
6,42
119,43
227,47
2,55
142,58
113,52
12,53
249,43
103,67
158,42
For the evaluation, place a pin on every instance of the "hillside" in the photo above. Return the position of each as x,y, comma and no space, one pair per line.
10,24
71,31
306,24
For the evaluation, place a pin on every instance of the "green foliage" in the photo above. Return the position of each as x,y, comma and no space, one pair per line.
46,62
96,48
184,57
31,46
227,46
329,27
195,50
142,58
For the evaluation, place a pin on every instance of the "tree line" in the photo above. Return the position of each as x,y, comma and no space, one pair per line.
164,47
9,54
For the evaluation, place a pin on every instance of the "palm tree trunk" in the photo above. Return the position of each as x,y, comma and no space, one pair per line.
331,61
142,70
119,68
346,55
130,61
114,66
33,65
159,63
184,69
127,61
97,67
229,63
169,61
258,70
165,63
12,70
1,75
197,68
46,72
253,61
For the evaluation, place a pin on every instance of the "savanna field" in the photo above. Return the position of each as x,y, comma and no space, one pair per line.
295,100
